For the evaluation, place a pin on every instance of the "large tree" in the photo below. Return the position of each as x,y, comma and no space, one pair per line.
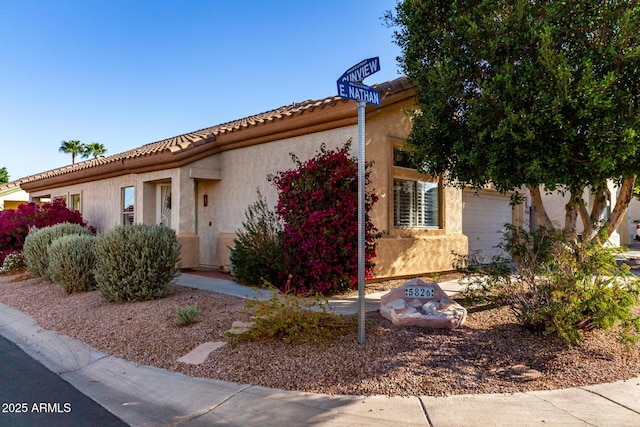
536,93
73,147
4,175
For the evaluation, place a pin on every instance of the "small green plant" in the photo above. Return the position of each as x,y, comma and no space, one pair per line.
36,245
71,262
186,315
561,285
13,262
483,282
294,320
136,262
256,256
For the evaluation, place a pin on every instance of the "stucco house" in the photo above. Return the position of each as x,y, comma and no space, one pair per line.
201,183
12,196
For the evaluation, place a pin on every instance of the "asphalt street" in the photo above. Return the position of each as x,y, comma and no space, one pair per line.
32,395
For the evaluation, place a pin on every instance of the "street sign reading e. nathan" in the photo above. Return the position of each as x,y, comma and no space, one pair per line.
350,83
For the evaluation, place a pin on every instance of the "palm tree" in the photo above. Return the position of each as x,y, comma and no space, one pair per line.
74,147
95,148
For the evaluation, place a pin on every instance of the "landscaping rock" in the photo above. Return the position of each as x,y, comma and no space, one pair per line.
200,353
417,303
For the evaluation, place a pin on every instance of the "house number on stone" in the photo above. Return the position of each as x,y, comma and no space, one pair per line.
419,292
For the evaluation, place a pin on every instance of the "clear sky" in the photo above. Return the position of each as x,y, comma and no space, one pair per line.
125,73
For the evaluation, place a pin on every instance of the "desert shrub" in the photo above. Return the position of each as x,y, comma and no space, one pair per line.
36,245
13,262
136,262
71,262
15,223
318,203
257,254
186,315
294,320
565,286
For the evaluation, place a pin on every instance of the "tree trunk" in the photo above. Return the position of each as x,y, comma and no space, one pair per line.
594,219
586,222
624,197
571,216
538,207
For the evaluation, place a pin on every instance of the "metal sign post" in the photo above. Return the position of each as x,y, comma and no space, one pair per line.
350,86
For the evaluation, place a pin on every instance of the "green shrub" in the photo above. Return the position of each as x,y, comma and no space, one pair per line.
13,262
562,285
293,319
71,262
36,245
187,315
257,254
136,262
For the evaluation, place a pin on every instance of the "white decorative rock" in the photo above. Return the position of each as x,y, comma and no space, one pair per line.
417,303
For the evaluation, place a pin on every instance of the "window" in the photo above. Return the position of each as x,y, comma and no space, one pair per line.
75,202
415,203
416,199
128,205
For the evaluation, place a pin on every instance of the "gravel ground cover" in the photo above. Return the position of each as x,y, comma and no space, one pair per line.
489,354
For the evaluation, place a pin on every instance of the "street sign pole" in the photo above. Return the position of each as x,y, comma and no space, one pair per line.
350,86
361,221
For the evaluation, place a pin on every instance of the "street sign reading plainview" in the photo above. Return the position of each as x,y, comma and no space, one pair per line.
350,83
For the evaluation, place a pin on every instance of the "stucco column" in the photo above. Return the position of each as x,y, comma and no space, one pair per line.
183,209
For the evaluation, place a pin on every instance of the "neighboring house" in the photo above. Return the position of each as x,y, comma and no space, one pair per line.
12,196
202,182
633,219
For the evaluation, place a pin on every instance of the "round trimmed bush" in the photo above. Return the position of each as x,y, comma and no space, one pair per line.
12,263
136,262
36,245
71,262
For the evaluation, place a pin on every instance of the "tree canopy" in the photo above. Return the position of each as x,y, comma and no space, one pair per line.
542,94
73,147
94,149
4,175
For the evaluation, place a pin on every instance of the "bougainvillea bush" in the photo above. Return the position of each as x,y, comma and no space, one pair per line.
15,223
318,203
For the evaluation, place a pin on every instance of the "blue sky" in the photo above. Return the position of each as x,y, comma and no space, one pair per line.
127,73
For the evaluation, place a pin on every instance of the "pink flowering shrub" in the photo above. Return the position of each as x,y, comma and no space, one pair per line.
15,223
318,203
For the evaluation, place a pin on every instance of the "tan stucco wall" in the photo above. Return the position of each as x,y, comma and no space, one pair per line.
101,204
417,251
244,171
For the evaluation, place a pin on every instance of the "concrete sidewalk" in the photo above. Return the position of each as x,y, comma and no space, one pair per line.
148,396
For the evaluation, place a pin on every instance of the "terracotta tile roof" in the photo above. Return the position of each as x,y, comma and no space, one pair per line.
12,184
196,138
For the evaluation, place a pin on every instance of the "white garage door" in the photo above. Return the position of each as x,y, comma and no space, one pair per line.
483,219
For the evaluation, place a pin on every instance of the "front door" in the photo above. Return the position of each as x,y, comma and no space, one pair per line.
163,205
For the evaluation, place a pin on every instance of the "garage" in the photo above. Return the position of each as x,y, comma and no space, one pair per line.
483,217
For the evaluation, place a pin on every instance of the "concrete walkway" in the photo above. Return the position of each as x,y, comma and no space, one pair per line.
148,396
